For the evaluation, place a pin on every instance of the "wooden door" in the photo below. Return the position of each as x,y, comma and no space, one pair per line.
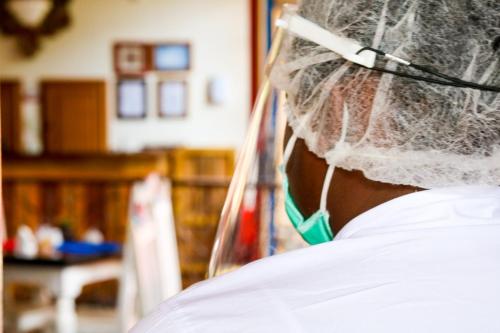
11,116
74,116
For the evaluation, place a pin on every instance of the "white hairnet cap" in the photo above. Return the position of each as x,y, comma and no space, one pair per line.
399,130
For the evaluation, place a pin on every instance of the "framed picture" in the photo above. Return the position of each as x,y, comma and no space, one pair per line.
131,98
132,58
172,98
171,57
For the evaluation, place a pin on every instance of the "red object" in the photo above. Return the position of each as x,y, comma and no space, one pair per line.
248,228
248,232
9,245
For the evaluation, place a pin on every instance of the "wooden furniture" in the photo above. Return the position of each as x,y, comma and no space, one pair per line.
76,192
10,99
65,279
149,273
83,191
74,116
200,180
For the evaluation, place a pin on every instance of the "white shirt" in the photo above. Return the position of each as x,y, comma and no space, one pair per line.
424,262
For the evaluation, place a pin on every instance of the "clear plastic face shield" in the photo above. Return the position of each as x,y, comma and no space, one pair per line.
247,227
254,221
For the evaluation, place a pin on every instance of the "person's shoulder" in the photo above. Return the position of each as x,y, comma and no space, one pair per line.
238,294
257,295
167,317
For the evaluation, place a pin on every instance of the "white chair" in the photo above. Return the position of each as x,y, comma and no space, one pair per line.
151,271
154,244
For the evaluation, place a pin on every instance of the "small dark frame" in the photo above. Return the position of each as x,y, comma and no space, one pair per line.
163,113
147,53
119,85
156,48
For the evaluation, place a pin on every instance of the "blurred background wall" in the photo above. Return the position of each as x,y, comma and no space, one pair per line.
218,32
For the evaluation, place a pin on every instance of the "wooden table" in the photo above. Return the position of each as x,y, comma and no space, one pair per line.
65,278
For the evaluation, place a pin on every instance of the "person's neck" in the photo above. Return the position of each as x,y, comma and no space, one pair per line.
352,194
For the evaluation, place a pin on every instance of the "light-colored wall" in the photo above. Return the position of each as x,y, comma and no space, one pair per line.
218,33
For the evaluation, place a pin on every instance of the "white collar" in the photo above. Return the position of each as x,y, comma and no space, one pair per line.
435,208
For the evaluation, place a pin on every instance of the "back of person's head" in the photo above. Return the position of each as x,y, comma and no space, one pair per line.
396,129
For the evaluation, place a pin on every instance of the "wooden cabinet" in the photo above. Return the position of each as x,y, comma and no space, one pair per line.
10,100
82,191
77,192
200,180
74,116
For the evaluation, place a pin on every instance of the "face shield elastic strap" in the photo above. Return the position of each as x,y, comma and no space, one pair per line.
352,51
447,80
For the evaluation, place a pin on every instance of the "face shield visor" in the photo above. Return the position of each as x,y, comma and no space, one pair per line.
253,221
253,216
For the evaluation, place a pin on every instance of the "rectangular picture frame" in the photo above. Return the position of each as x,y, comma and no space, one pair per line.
131,98
172,98
132,58
171,56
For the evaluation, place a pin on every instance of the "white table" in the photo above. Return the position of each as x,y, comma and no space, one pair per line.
65,281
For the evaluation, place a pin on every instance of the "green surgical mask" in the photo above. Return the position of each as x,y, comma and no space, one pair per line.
315,229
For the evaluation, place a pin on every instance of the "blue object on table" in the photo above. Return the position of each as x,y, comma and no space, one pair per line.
84,248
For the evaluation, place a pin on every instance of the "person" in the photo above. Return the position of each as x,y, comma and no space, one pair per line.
401,158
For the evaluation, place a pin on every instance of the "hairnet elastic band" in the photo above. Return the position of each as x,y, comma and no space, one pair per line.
448,80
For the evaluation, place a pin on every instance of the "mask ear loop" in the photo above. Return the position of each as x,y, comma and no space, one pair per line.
326,187
289,149
331,168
